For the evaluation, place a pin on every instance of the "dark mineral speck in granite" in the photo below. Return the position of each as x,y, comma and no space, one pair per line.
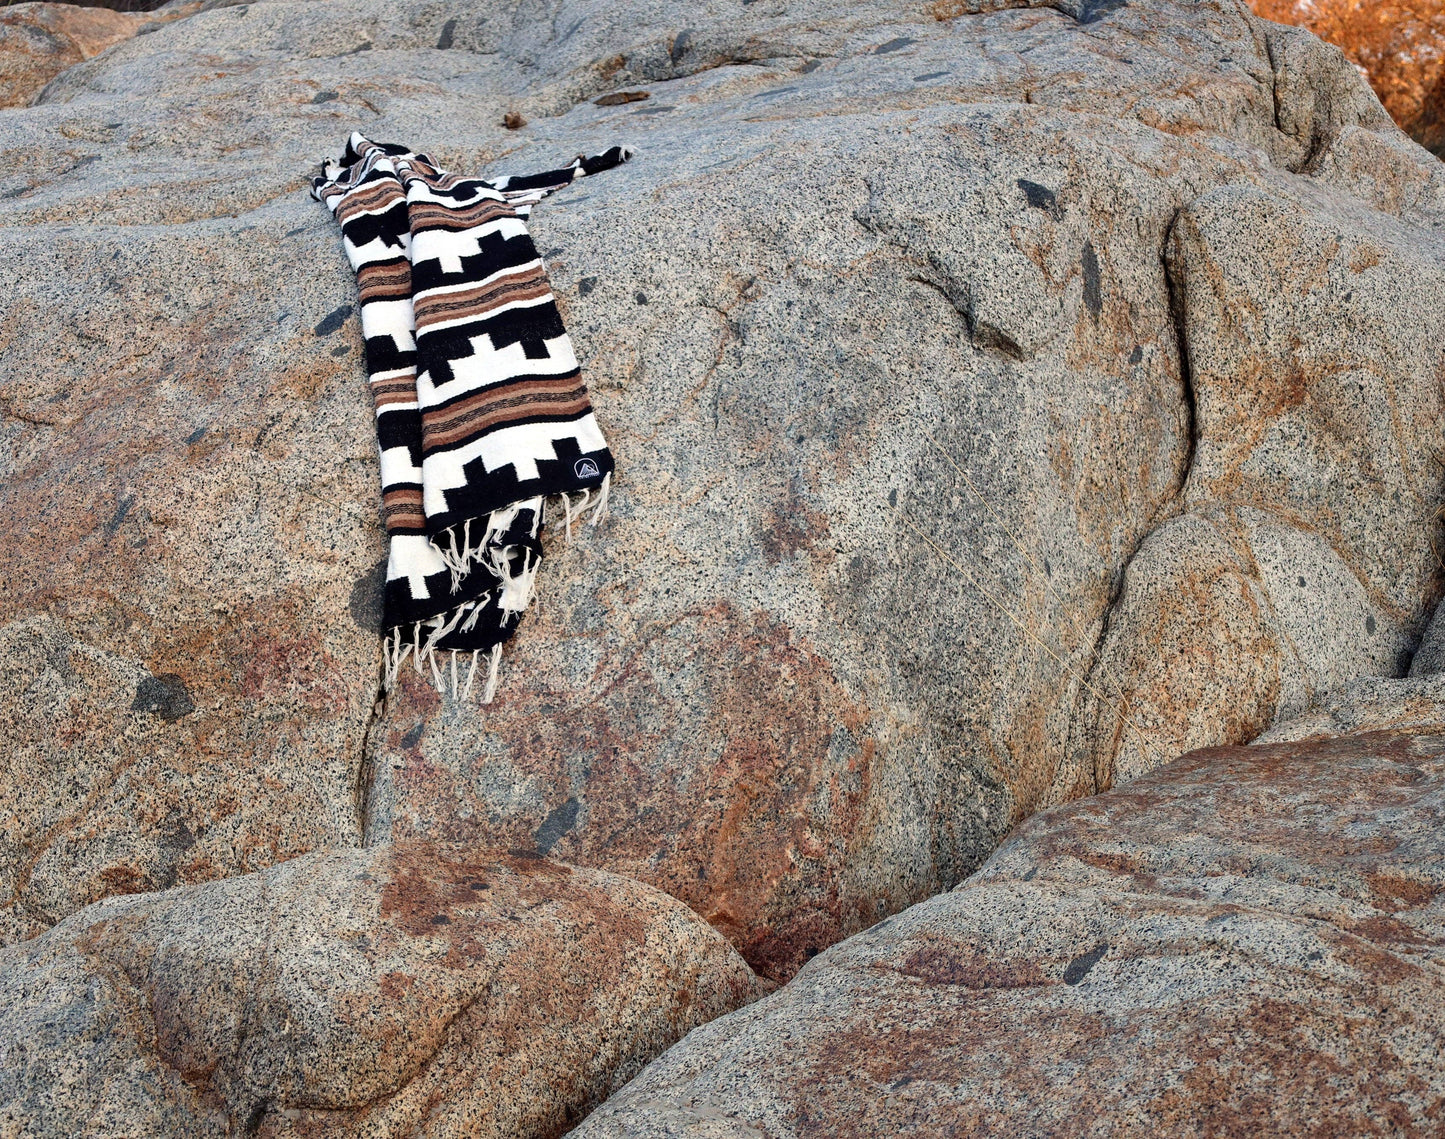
1079,967
121,510
561,820
1039,197
165,696
364,604
1093,281
1095,10
333,321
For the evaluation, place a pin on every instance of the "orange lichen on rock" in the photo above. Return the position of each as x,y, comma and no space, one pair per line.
1398,44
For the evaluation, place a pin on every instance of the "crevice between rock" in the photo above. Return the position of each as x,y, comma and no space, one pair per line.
1172,507
361,789
984,336
1174,287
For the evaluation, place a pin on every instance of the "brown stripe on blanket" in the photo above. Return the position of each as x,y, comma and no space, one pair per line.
401,508
529,284
486,410
369,199
385,280
385,393
433,215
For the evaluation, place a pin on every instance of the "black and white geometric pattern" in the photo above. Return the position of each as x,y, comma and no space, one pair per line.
481,412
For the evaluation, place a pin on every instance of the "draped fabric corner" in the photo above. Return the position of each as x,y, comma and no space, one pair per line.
481,412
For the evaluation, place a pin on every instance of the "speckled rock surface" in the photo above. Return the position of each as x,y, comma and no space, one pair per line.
420,990
758,687
39,41
1369,704
1250,941
1301,432
869,258
189,625
1399,44
1429,658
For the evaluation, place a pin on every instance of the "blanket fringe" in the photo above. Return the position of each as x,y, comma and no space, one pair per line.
493,665
420,642
518,587
461,552
594,497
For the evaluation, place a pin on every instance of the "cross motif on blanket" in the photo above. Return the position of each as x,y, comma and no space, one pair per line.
481,412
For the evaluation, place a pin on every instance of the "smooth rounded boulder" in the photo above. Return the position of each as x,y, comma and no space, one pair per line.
420,989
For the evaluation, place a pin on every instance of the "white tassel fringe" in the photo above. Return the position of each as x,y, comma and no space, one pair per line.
518,592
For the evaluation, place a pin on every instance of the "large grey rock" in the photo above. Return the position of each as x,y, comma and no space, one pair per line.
1249,941
850,231
410,990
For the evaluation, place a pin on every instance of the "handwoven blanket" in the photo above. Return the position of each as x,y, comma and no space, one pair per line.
481,412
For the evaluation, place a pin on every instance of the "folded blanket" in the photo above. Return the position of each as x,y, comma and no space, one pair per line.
481,412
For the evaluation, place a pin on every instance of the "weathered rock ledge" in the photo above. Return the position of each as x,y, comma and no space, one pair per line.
1248,941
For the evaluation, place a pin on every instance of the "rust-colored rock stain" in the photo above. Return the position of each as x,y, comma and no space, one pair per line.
755,841
1193,954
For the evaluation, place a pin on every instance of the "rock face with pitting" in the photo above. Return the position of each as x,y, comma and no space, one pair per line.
188,634
879,278
759,687
1399,44
1248,941
1282,552
413,990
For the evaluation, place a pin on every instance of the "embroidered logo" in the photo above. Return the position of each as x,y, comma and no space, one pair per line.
585,469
